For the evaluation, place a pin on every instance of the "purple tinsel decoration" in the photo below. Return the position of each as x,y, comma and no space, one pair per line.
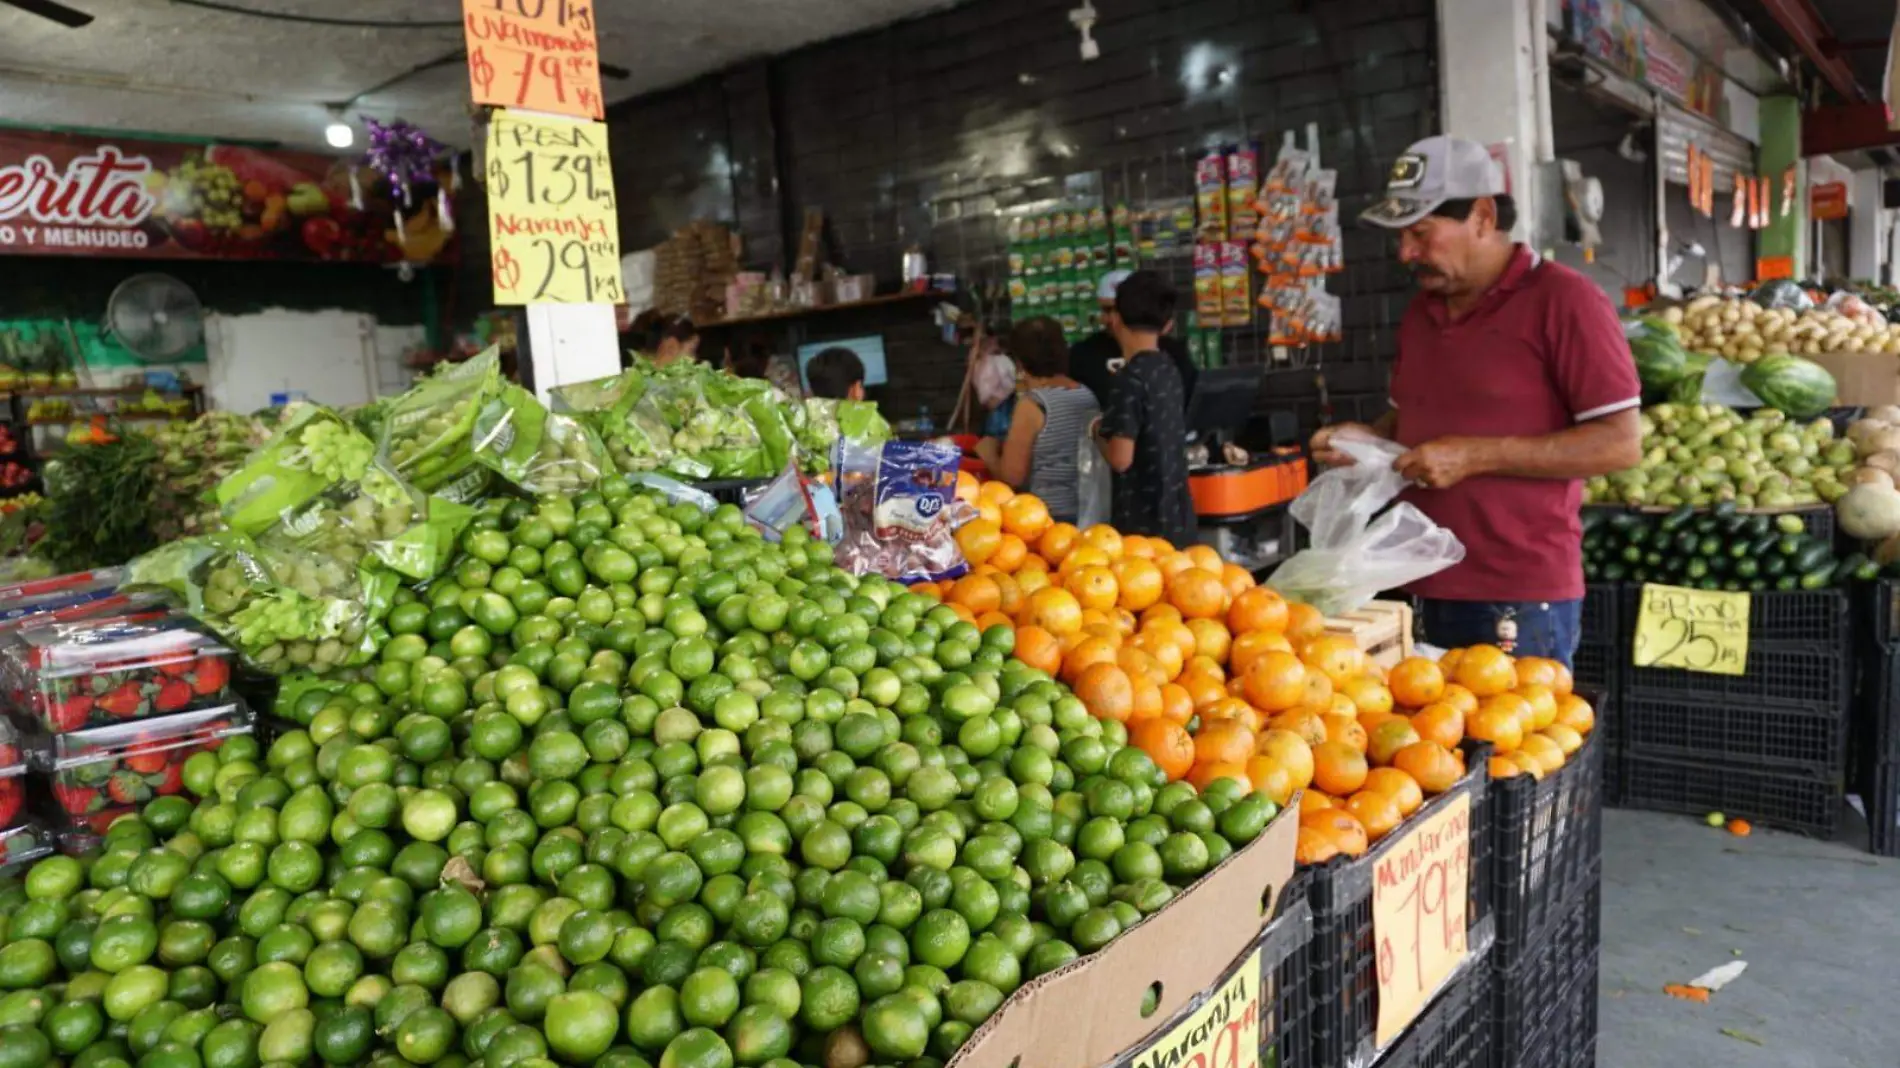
402,153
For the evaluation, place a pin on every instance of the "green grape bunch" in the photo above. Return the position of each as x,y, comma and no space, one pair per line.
335,451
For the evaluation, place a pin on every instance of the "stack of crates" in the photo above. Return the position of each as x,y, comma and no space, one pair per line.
1601,661
1769,745
1547,860
1876,728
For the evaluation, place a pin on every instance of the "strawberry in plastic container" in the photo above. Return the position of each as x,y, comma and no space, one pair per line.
105,772
99,671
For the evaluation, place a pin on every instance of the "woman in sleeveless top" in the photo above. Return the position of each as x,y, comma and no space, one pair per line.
1039,454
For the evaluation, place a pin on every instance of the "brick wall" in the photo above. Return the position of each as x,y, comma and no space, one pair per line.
920,131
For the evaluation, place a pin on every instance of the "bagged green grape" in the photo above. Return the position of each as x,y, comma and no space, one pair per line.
615,393
312,452
369,418
377,519
820,421
282,610
537,450
428,431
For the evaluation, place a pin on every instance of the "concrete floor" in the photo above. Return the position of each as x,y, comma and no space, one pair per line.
1817,922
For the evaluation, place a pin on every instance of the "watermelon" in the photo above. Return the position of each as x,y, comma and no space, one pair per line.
1802,388
1660,359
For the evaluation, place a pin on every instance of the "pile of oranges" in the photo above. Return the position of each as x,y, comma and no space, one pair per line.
1214,676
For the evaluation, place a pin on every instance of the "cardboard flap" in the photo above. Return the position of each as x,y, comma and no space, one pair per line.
1862,379
1089,1012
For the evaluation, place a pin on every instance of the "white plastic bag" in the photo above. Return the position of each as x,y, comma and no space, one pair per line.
1356,551
1094,489
994,379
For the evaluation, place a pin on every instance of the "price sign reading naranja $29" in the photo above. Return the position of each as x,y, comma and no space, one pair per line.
551,217
1694,630
537,55
1420,885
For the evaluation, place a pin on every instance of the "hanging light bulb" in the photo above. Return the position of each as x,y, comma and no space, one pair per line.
339,134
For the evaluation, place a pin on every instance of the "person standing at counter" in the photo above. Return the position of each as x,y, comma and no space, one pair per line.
662,338
1146,420
1039,454
1094,360
1512,385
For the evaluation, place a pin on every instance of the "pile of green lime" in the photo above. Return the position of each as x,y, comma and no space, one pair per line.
629,786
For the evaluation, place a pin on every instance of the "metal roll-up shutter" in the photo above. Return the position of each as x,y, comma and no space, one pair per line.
1677,129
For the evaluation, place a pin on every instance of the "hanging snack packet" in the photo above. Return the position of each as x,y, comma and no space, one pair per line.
311,453
1236,305
1210,196
1208,302
428,433
1243,190
535,449
900,508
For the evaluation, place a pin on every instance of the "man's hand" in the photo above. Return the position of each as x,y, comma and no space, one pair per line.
1444,463
1324,453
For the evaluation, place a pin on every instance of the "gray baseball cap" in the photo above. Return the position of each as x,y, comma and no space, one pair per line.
1431,172
1105,289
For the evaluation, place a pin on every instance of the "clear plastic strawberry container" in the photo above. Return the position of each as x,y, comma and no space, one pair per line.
22,844
103,773
13,767
85,673
79,584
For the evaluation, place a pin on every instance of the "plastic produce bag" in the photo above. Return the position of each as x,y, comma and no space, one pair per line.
675,491
792,500
1359,547
821,421
1095,486
428,432
377,519
538,450
312,452
900,508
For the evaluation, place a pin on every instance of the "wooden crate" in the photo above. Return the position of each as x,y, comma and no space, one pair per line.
1382,628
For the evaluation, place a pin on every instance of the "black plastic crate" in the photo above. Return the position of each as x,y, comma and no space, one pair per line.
1454,1031
1602,617
1792,617
1345,986
1286,985
1879,605
1878,708
1883,810
1567,1039
1598,666
1812,677
1535,1003
730,490
1799,803
1547,844
1771,737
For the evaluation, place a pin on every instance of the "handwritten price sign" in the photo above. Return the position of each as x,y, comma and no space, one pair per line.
555,233
1420,885
537,55
1695,630
1224,1031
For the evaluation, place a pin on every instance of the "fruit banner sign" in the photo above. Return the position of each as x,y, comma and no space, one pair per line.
551,217
73,195
538,55
1420,886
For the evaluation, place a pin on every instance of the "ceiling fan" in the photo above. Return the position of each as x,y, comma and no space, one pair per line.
48,9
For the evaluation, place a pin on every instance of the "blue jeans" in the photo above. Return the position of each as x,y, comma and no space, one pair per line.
1521,628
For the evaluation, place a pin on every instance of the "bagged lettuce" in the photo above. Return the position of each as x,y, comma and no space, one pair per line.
537,450
313,451
428,432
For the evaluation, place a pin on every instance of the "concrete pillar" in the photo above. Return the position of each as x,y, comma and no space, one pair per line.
1866,226
1786,235
1493,72
572,343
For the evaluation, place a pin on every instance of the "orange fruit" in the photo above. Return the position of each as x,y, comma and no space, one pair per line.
1223,741
1204,557
1416,682
1236,579
1338,768
1307,726
967,486
1430,765
1515,705
1146,704
1025,516
1544,671
1369,720
1290,751
1249,644
1275,682
1107,691
1313,801
1543,704
1377,812
1104,537
995,492
979,593
1567,739
1010,553
978,539
1258,608
1200,688
1056,542
1201,665
1235,710
1345,729
1460,698
1314,847
1134,545
1303,621
1054,610
963,612
1173,563
1009,594
1139,582
1094,587
1527,764
1399,786
1038,648
1448,661
1030,578
994,619
1167,744
1204,775
1366,693
1575,712
1341,826
1337,655
1441,723
1178,633
1485,670
1501,727
1503,767
1167,655
1176,705
1161,612
1385,740
1319,691
1140,666
1197,592
1124,620
1085,654
1211,639
1271,779
1545,750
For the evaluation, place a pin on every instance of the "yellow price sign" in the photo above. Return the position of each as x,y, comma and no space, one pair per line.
1694,630
552,223
1224,1032
1420,887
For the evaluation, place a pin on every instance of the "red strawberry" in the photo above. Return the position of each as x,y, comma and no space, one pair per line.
173,696
211,675
182,665
70,714
124,702
174,779
75,800
11,795
127,788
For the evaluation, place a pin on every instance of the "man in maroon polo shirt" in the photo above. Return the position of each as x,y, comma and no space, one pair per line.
1512,385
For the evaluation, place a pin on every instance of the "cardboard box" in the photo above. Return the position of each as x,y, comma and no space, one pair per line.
1865,379
1089,1013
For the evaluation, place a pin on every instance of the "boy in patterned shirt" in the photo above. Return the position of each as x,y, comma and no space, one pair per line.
1145,425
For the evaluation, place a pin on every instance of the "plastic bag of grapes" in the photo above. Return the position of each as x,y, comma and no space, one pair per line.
537,450
377,519
311,453
428,432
